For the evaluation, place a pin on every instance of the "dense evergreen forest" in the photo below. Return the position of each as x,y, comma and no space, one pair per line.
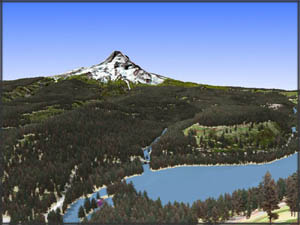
131,206
70,136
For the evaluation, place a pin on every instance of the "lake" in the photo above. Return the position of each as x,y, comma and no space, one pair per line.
190,183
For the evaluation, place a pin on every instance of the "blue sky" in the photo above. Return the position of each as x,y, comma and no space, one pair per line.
237,44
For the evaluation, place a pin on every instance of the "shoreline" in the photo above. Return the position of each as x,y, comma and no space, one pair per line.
83,197
134,175
59,203
97,190
220,164
96,209
54,206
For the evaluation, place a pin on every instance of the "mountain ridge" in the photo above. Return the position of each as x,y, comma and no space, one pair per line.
117,66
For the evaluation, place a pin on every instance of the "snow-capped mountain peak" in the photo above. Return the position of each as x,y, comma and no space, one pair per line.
117,66
116,56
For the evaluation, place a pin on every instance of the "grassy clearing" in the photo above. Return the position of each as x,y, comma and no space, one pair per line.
78,104
83,78
292,95
291,221
289,93
23,88
215,87
42,115
263,90
171,82
252,135
284,215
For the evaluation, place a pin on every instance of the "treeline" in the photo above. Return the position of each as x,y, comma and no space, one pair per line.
237,114
131,206
186,155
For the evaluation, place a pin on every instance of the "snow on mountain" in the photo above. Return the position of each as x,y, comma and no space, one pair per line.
117,66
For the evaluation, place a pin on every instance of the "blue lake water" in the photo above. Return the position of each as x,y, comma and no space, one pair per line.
190,183
187,184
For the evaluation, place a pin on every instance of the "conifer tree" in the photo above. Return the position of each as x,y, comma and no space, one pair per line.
244,200
39,219
281,187
87,205
52,217
93,204
59,217
97,196
269,196
215,214
291,193
228,203
81,213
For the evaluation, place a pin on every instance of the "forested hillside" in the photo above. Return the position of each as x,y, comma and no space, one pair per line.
70,136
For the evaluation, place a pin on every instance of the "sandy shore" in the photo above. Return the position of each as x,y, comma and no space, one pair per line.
135,175
54,206
219,164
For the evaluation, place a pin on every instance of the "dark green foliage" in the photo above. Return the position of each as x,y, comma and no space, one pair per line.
87,205
97,196
54,217
281,188
291,193
81,213
39,219
93,204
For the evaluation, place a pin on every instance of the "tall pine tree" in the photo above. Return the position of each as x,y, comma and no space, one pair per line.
291,193
269,196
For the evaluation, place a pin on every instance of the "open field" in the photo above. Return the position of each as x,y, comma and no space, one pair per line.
252,135
292,95
284,215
